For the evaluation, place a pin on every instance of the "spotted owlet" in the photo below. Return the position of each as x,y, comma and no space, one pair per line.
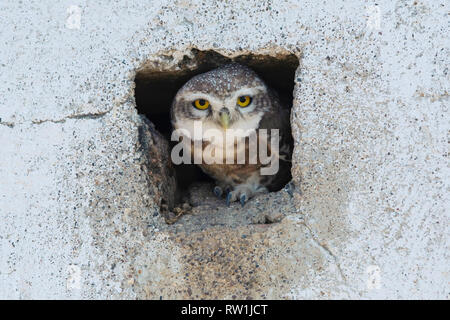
234,99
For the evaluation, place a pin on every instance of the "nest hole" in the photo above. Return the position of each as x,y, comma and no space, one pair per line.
158,82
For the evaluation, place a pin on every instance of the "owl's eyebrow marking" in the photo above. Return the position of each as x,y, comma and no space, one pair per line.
192,96
247,91
198,95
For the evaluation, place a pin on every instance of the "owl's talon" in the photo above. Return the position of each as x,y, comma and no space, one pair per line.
289,188
218,191
229,195
243,199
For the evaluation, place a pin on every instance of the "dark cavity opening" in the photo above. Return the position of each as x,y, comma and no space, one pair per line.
158,82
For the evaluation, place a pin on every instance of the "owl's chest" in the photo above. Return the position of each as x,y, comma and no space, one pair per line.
238,152
230,163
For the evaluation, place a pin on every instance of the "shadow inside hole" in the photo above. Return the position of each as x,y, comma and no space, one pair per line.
155,90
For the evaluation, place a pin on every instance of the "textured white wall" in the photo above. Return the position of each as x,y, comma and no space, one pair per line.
370,120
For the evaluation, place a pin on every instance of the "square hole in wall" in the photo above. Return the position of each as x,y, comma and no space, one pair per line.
157,86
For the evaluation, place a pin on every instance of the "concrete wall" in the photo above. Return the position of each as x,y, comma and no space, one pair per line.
79,211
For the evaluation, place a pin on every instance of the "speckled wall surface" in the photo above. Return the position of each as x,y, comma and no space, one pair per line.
79,210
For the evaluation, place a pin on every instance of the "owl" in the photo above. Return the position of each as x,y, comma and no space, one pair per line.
233,98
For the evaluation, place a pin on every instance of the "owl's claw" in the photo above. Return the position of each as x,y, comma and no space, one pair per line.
233,196
243,193
289,188
242,199
229,195
218,191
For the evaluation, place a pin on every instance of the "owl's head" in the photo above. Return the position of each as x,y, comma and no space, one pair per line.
229,97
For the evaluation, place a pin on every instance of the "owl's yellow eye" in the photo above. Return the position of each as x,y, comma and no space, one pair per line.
201,104
244,101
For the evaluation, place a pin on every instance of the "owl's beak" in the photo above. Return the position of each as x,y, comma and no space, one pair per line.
224,117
